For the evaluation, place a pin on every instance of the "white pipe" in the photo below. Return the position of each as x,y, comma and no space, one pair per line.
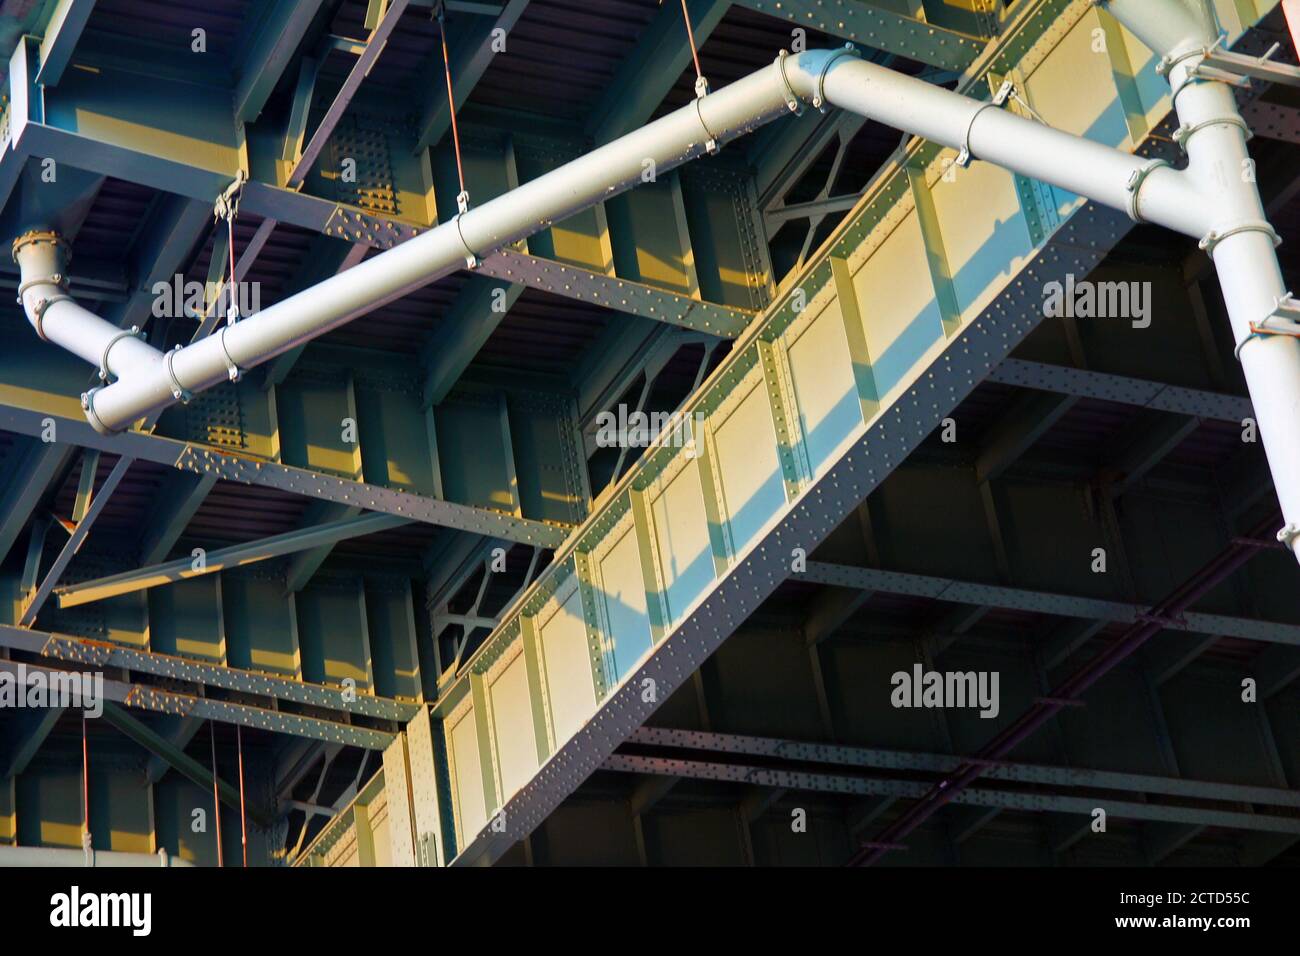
42,856
1211,195
42,259
1095,171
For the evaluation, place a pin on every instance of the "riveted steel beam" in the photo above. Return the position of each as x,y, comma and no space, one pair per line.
220,559
99,654
1122,389
1042,602
147,697
872,25
204,459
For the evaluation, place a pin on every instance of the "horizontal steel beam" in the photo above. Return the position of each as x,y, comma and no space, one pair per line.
1042,602
1122,389
620,295
17,415
871,757
146,697
1082,806
78,650
235,556
869,24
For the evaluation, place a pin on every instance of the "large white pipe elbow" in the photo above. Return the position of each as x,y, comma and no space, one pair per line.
42,264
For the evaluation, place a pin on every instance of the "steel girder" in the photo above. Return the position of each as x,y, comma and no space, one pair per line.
146,697
681,553
872,25
1063,605
18,415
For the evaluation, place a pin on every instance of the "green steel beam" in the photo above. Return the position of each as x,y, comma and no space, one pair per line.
16,415
74,542
28,481
375,44
1123,389
183,730
307,561
470,54
872,25
1040,602
26,737
462,331
177,502
239,555
279,33
155,699
611,292
1080,807
699,743
159,746
174,227
644,78
61,35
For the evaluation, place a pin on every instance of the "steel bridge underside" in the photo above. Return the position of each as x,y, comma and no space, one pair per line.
453,626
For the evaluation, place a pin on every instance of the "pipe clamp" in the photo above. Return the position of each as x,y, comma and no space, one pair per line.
471,257
710,141
1000,100
132,333
1214,236
1184,133
233,371
179,392
38,311
819,98
88,406
792,101
1283,320
1134,186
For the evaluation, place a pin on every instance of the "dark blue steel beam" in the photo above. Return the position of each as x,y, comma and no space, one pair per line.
275,41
